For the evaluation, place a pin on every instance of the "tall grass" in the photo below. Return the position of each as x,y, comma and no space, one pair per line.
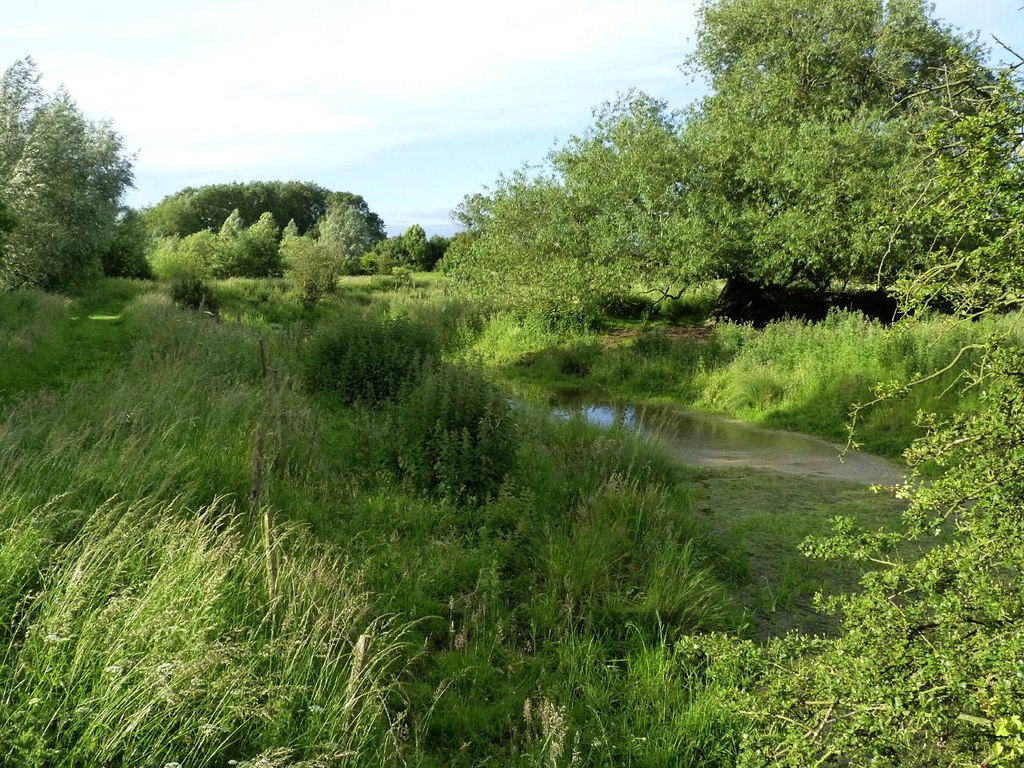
809,376
152,641
139,624
545,616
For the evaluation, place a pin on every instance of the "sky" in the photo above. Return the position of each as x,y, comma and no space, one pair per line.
412,105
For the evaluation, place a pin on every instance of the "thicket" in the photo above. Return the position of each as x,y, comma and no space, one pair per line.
232,251
368,358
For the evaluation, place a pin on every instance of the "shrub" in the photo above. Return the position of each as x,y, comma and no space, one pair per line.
367,357
309,267
193,293
456,434
174,259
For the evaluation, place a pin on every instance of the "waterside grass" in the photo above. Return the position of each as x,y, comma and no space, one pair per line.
805,377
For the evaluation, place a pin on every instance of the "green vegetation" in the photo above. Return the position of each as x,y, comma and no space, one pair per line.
528,587
330,520
195,209
51,341
787,174
791,375
62,178
411,250
137,527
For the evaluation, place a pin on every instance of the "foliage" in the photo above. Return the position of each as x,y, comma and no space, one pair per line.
308,267
530,253
626,171
410,250
7,223
927,668
562,243
343,235
125,255
193,293
233,251
368,358
246,251
456,434
174,258
977,209
800,166
809,140
63,177
196,208
437,247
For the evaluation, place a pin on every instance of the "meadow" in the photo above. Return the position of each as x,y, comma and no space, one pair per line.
352,534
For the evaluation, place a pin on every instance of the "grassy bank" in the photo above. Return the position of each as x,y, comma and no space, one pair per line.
278,537
206,563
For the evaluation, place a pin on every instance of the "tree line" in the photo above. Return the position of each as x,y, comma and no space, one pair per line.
63,222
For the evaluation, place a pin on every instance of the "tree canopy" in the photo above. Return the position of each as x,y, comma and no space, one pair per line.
797,168
813,134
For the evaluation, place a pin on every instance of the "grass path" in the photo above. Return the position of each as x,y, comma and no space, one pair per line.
48,341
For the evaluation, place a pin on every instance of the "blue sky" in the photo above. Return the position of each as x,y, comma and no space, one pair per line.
411,104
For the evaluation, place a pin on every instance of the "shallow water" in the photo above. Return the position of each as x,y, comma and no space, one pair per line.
703,439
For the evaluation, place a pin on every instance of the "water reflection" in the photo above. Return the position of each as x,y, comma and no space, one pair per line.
708,440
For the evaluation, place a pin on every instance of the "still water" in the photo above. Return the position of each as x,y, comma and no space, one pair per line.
707,440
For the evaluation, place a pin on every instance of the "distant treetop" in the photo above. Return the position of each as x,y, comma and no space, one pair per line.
197,208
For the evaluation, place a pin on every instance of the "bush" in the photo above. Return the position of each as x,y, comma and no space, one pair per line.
309,267
456,435
175,259
368,358
193,293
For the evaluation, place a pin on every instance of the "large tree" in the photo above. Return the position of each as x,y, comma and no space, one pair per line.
63,177
528,250
625,174
812,136
599,219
